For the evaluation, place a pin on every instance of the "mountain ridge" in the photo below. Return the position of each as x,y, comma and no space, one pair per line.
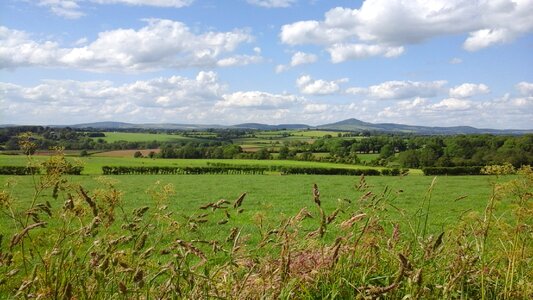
351,124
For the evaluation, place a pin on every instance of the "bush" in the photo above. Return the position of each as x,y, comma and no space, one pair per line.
18,170
329,171
452,171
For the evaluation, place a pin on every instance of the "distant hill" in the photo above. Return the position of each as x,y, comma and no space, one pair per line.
345,125
121,125
103,125
272,127
358,125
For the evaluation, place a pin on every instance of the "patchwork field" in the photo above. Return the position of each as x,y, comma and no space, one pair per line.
141,137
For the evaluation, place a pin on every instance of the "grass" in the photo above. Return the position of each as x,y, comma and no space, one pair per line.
367,157
111,137
93,237
93,164
276,196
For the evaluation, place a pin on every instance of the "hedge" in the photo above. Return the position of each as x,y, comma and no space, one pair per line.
226,169
329,171
124,170
19,170
23,170
452,170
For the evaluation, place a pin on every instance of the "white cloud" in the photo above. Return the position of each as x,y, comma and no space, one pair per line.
343,52
239,60
158,3
257,100
160,44
452,104
71,101
272,3
302,58
400,90
525,88
467,90
506,112
298,58
487,37
314,108
281,68
309,86
203,99
391,24
71,9
64,8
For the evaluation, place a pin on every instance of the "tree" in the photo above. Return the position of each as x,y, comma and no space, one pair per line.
427,157
283,152
386,151
137,154
409,159
262,154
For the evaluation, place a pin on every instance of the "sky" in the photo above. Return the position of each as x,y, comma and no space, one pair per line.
416,62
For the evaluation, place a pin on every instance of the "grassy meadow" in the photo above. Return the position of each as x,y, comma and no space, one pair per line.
266,236
141,137
93,164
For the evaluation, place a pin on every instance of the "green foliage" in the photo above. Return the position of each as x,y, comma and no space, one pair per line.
19,170
453,171
330,171
219,170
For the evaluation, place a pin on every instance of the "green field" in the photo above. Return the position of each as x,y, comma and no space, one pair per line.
111,137
93,164
146,236
277,196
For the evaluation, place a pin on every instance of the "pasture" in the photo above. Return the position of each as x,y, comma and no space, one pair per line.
200,236
111,137
93,164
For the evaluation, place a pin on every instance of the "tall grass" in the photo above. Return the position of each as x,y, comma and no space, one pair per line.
74,243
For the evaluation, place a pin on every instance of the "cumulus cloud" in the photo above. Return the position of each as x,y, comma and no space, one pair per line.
257,100
391,24
505,112
315,108
272,3
525,88
309,86
203,99
68,9
162,99
400,90
159,44
298,58
467,90
452,104
158,3
71,9
343,52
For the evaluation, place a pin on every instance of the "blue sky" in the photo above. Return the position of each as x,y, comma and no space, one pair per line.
419,62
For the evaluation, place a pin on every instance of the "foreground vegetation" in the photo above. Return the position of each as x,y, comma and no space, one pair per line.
74,239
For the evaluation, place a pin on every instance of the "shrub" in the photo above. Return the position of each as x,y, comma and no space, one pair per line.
452,171
18,170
